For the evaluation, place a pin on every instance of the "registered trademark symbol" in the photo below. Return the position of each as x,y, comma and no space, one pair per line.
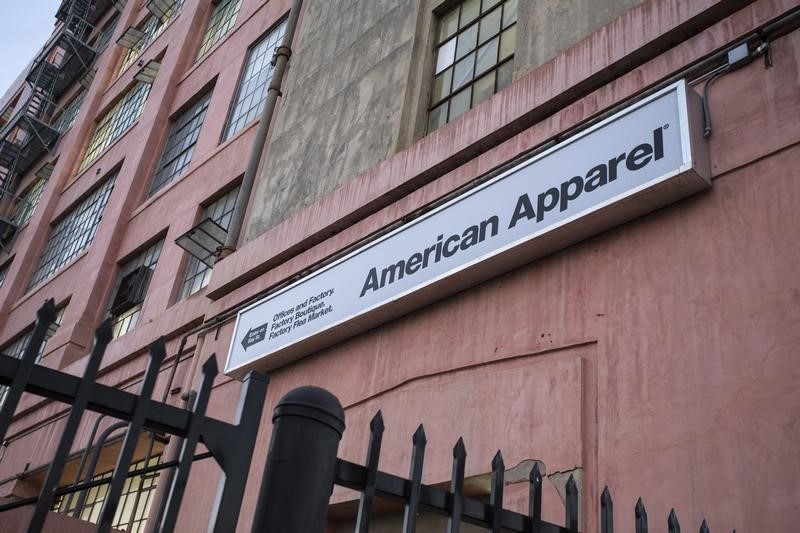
666,126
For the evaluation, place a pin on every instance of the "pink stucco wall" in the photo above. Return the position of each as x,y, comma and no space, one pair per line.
658,357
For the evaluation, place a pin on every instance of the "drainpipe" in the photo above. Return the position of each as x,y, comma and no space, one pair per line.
279,60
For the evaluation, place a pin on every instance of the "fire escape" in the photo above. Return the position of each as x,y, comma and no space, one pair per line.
28,134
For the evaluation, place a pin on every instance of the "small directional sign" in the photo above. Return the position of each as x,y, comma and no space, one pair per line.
254,336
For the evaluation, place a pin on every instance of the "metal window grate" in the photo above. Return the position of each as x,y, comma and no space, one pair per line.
252,91
67,117
180,144
141,37
137,271
73,233
474,57
198,274
3,273
222,20
116,120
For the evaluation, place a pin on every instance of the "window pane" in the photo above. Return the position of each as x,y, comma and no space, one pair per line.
470,11
437,117
73,233
508,40
490,26
448,25
483,88
253,86
222,20
509,13
460,103
116,120
445,55
180,143
488,4
198,274
152,28
473,66
487,56
504,74
24,209
441,84
67,118
132,283
467,41
463,71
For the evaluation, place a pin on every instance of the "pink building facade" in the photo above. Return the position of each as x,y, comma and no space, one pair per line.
657,357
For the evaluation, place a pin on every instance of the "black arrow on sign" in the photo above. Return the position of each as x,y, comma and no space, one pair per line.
254,336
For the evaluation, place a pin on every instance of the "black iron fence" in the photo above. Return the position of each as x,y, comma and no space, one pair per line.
302,466
224,441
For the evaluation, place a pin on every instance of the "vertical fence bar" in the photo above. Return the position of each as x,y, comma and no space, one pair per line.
45,316
457,487
376,428
157,354
641,516
606,512
79,403
496,498
227,450
175,496
572,504
535,496
672,522
301,464
417,458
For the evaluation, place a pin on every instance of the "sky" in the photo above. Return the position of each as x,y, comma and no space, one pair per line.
25,25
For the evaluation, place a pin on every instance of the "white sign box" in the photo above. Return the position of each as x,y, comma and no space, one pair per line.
642,158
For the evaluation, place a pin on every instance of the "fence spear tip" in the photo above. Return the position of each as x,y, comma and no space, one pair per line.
210,367
536,473
459,450
419,436
672,521
376,424
704,527
497,461
639,509
605,497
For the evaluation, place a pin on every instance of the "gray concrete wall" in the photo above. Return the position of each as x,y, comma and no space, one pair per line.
357,90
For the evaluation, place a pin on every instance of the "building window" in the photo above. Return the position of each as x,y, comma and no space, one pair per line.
116,120
67,117
73,233
131,289
134,503
23,210
150,29
104,36
183,134
17,347
474,57
222,20
198,274
3,273
252,91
